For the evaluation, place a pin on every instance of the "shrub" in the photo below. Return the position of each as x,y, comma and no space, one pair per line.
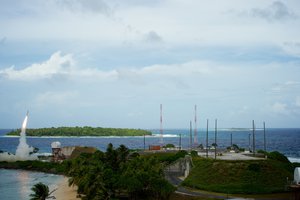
169,146
275,155
254,167
194,153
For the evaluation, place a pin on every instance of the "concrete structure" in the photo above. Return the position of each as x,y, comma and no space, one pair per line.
61,153
56,152
181,168
297,175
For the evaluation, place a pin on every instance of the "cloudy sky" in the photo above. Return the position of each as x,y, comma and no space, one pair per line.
111,63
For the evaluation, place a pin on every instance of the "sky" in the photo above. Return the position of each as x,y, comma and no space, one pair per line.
111,63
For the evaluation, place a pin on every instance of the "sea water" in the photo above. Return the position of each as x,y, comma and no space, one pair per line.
286,141
17,184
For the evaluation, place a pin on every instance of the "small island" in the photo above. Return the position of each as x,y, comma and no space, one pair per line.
81,131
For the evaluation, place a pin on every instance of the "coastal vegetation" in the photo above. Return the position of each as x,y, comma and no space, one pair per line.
41,192
82,131
115,174
241,177
119,173
35,165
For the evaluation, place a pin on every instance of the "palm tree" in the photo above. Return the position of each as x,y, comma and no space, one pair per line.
41,192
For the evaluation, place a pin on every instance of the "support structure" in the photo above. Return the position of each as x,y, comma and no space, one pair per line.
191,135
253,137
249,137
216,124
180,141
161,126
195,131
207,139
144,142
265,145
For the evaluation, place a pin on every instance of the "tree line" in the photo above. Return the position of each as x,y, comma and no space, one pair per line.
82,131
116,174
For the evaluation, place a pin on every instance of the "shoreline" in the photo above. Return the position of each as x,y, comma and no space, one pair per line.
64,192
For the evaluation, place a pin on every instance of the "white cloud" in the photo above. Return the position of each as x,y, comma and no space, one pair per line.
93,6
280,108
64,66
276,11
57,65
292,48
57,98
286,86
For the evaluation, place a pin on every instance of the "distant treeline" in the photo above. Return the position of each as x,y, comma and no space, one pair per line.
82,131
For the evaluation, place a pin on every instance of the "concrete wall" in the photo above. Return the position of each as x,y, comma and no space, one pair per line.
67,151
181,167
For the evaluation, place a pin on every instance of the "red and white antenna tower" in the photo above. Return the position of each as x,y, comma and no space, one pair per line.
195,131
161,126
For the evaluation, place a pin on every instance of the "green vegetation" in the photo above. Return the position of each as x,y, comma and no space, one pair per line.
167,157
41,192
47,167
82,131
241,177
169,146
114,174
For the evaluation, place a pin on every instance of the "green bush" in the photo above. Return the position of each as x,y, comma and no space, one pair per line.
275,155
254,167
169,146
194,153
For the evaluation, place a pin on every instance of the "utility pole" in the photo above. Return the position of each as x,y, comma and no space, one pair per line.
265,145
253,132
216,122
195,131
249,137
180,141
207,139
161,126
144,142
190,135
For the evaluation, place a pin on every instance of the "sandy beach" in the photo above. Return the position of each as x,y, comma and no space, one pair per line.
64,192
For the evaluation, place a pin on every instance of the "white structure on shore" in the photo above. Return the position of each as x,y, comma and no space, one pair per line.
297,175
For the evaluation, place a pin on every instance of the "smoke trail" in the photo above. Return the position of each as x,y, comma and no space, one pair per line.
23,150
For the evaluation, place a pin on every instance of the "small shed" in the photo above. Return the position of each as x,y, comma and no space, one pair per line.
297,175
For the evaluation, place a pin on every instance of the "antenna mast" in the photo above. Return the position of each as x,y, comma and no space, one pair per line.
195,131
161,126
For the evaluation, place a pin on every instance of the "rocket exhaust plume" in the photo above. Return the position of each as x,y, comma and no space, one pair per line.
23,150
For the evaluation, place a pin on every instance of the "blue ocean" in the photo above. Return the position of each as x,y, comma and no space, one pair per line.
16,184
286,141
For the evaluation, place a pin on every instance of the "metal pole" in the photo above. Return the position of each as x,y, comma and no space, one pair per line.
216,138
195,131
231,139
180,141
207,139
265,146
144,142
253,132
249,136
161,126
191,135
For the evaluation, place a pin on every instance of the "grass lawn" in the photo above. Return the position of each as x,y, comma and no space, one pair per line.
239,177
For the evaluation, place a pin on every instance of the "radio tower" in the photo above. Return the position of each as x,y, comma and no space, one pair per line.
195,131
161,126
